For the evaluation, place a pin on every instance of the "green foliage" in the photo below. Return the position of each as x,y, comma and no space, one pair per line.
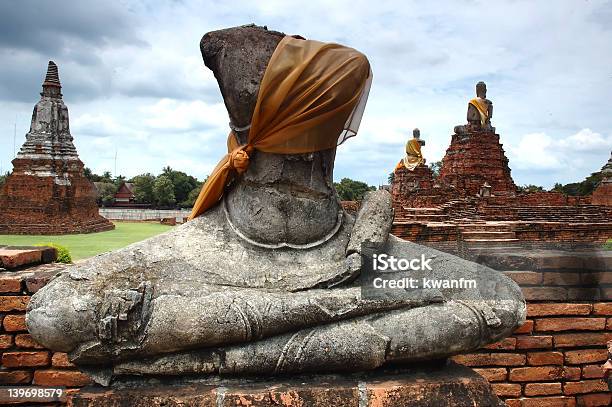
351,190
530,188
435,168
63,254
90,175
191,198
163,192
106,193
184,188
183,183
391,177
583,188
143,188
2,180
608,245
118,181
106,177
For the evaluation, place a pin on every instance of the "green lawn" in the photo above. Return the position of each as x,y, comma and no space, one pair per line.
87,245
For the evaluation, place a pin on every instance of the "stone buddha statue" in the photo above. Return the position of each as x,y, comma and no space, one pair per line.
267,280
479,113
414,157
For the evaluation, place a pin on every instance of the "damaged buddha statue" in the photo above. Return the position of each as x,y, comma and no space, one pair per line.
264,279
479,112
414,156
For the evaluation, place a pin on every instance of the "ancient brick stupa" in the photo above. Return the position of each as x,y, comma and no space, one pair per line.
475,157
47,192
603,193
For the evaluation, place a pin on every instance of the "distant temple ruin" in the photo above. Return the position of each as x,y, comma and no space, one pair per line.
603,193
47,192
474,191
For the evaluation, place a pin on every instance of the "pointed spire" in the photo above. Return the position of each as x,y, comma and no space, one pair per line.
52,86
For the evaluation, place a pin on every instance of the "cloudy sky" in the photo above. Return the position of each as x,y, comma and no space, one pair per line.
135,84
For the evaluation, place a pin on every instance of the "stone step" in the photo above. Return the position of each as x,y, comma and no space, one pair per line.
12,257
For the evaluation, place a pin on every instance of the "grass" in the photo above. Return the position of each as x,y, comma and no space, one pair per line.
608,245
88,245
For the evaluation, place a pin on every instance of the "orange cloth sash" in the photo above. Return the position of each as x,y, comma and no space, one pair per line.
311,98
414,157
482,108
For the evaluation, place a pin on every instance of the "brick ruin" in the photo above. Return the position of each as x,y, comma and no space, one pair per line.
47,192
475,191
603,193
473,159
549,243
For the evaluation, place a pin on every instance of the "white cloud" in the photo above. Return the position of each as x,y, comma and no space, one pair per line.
145,91
564,159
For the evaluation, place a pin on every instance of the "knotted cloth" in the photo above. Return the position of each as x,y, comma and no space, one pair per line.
311,98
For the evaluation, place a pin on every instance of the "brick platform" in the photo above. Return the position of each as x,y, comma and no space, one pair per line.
473,159
22,360
447,386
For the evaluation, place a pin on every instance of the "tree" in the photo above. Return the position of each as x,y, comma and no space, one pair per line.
163,192
351,190
558,187
90,175
191,198
391,177
143,188
583,188
183,183
435,168
106,193
119,180
106,177
530,188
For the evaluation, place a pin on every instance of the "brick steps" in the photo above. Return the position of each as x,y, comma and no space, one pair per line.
488,235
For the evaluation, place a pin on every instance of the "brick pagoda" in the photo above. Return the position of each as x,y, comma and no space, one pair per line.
603,193
475,158
47,192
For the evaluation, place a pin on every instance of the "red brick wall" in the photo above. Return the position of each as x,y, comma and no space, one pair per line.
22,360
554,359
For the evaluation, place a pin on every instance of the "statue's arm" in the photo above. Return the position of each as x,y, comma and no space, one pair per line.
472,114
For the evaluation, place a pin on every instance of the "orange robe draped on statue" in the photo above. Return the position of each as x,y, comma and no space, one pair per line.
311,98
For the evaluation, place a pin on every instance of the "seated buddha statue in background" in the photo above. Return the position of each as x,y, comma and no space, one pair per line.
414,157
479,112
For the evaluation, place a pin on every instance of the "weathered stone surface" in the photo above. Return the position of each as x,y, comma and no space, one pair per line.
452,385
246,288
47,192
